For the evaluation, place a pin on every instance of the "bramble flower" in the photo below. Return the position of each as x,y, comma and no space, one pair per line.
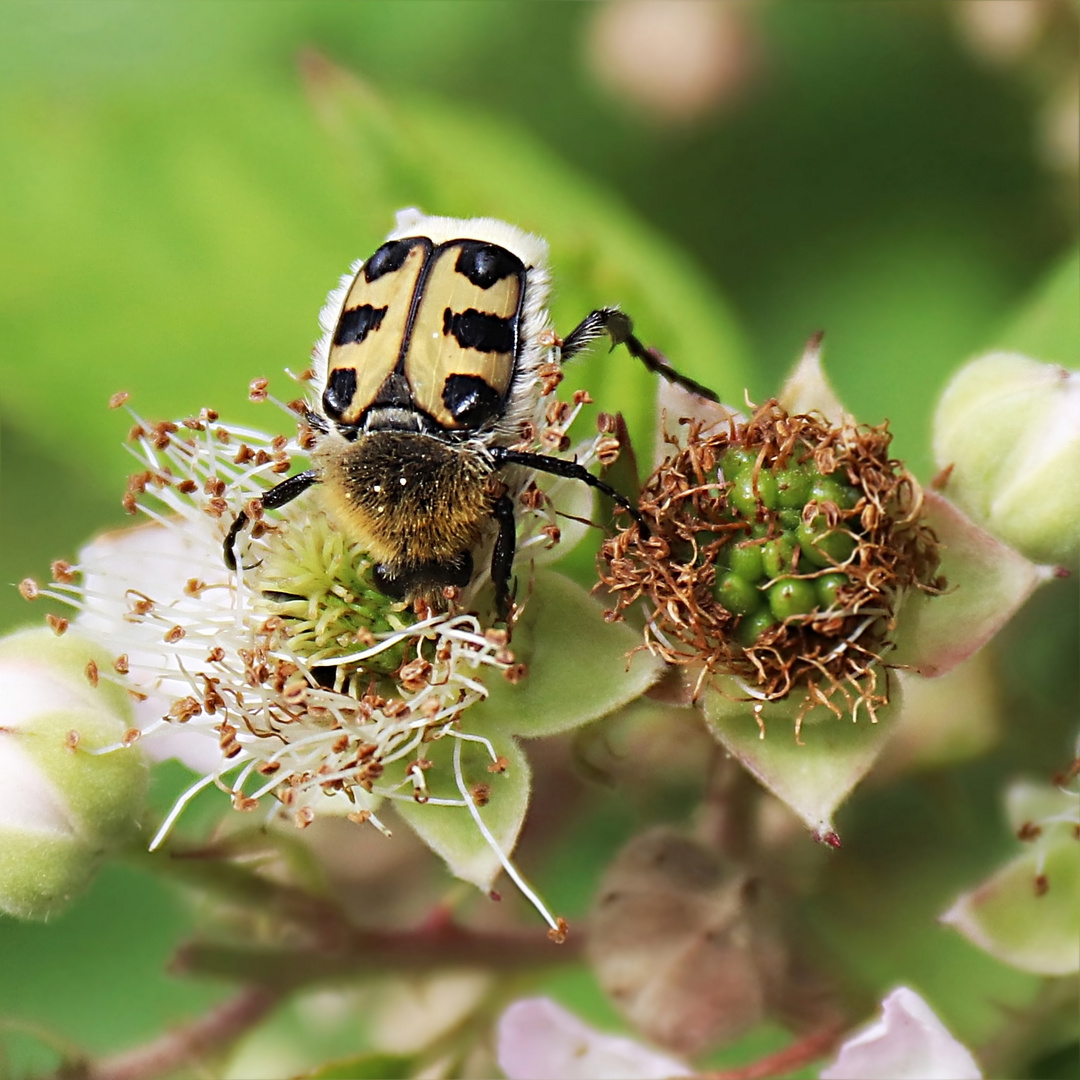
294,685
908,1042
793,569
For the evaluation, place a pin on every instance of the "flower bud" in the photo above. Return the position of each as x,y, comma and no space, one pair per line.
1010,428
64,804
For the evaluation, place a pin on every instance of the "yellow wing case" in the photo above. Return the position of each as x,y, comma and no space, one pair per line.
445,319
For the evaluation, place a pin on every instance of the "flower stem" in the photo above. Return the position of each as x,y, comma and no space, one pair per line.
426,948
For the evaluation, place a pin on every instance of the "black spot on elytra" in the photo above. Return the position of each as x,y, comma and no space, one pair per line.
479,330
357,323
485,264
470,400
390,257
339,392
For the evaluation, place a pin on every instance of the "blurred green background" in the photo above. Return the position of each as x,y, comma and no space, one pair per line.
181,183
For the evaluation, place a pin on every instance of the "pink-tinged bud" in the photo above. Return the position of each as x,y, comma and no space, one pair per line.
1008,429
71,791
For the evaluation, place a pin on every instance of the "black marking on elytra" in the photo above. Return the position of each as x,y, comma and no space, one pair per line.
339,392
480,330
357,323
471,400
390,257
485,264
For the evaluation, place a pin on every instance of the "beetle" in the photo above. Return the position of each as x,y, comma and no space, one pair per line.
429,366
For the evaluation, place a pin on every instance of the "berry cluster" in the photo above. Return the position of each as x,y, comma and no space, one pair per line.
779,551
787,530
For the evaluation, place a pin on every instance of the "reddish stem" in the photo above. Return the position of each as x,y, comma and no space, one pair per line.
785,1061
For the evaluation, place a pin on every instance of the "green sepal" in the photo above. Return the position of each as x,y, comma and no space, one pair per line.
579,667
451,831
1013,918
814,773
986,583
103,794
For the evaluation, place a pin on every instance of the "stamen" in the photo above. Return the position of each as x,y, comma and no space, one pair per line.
507,865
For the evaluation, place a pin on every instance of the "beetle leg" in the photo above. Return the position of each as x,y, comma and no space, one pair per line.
620,328
503,455
502,555
278,495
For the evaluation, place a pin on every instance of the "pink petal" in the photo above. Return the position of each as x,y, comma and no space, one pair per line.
909,1042
540,1040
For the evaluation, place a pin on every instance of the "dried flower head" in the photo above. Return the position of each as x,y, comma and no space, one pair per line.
782,547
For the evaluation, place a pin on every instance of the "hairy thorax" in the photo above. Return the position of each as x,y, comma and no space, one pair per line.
414,498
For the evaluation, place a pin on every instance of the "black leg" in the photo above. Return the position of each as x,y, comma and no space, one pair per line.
404,582
619,327
278,495
502,556
571,470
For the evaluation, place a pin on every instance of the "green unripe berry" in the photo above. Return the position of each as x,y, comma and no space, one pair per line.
749,496
833,489
794,596
828,588
793,486
737,594
735,459
751,627
745,560
823,547
776,555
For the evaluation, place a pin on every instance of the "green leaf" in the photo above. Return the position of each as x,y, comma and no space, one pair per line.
987,583
366,1067
1014,919
579,667
452,831
1047,327
813,773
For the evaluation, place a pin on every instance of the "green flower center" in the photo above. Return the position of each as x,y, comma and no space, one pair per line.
322,586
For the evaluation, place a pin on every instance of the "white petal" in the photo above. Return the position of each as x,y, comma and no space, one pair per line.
156,561
909,1042
540,1040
